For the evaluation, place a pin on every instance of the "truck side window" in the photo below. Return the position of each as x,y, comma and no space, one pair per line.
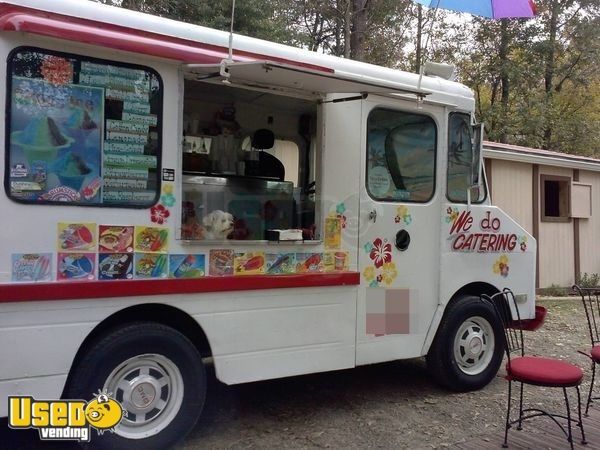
401,150
82,131
460,158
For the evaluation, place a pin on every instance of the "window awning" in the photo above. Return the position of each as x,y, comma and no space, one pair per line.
296,80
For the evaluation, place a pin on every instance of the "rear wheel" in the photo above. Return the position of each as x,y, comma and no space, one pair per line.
468,348
157,376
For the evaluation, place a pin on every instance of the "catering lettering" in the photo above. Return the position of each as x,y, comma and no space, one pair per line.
489,239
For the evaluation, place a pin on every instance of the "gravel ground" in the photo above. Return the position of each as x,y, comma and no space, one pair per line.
393,405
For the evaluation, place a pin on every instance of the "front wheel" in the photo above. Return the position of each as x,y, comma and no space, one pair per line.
157,376
468,348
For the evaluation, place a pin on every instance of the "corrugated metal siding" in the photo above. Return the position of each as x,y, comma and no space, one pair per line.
589,229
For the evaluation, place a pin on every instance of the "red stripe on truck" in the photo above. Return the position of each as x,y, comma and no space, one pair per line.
77,290
44,23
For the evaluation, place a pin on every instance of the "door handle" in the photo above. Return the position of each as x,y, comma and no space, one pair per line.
373,216
402,240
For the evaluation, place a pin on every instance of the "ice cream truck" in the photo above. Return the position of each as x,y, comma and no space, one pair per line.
176,197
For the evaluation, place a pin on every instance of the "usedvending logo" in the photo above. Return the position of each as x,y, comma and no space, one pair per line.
58,420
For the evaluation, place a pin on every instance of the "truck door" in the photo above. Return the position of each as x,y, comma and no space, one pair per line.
398,251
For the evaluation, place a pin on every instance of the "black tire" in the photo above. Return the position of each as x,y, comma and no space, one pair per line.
450,356
120,349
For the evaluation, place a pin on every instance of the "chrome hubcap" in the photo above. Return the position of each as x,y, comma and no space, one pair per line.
150,389
474,345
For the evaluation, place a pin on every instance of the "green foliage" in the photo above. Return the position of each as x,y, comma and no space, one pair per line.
536,81
589,280
555,291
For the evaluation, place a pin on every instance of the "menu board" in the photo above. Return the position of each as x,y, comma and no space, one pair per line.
126,168
82,131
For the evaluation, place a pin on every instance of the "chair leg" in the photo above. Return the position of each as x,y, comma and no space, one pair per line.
505,445
520,427
570,437
589,399
583,441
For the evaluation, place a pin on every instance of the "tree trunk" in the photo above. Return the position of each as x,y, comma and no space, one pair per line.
358,30
419,36
504,80
550,68
347,27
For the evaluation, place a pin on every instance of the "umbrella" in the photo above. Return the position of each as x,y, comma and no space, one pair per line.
493,9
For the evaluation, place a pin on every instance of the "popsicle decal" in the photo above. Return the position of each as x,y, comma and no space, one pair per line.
221,262
32,267
150,265
187,266
249,263
76,237
115,239
115,266
151,240
75,266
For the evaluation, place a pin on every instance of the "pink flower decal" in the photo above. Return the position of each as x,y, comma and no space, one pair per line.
159,214
381,252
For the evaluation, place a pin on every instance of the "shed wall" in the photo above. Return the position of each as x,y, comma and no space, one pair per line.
589,229
556,241
512,190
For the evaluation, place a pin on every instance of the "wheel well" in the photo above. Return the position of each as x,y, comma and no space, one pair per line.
476,289
154,312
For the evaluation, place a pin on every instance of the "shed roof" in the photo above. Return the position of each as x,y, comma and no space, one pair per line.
496,150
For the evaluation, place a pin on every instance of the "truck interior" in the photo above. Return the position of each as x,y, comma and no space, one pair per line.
251,154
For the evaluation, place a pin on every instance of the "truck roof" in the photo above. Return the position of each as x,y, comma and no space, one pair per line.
215,41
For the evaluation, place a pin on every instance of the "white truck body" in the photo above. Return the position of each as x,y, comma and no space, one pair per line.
257,326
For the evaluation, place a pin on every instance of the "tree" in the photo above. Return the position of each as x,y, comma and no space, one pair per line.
536,81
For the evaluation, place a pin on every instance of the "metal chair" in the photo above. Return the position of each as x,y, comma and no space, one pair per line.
533,370
591,304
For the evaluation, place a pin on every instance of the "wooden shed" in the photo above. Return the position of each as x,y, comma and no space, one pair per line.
556,197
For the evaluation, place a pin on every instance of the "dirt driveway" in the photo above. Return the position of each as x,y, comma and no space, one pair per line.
394,405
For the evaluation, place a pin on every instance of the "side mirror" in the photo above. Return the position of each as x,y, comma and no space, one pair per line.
477,155
476,179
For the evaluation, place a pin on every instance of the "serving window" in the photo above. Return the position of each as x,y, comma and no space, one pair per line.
248,165
82,131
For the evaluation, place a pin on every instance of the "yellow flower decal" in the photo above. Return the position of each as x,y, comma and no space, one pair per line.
369,273
167,189
501,266
389,273
451,214
403,215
